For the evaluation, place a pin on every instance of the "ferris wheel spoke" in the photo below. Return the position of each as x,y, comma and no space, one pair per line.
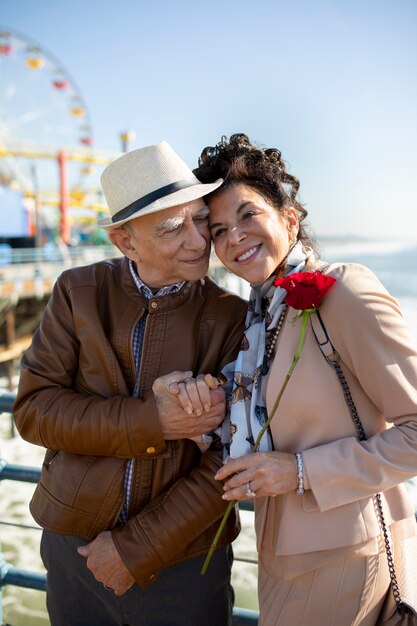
41,106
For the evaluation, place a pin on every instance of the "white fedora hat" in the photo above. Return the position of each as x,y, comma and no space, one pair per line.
147,180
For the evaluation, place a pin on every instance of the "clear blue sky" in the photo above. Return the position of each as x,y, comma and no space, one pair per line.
332,84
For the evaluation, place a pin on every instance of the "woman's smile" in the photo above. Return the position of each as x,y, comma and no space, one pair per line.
249,255
251,237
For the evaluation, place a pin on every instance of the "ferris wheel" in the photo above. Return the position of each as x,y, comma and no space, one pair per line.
42,110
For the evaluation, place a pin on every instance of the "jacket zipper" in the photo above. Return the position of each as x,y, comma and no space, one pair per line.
138,389
139,376
52,459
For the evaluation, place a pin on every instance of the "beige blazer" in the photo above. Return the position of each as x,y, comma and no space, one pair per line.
380,363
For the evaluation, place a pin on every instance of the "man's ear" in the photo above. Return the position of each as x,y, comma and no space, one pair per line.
121,238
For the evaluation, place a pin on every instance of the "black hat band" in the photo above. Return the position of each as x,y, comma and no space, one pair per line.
143,202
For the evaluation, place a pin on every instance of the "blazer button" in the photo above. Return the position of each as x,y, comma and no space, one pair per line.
150,450
154,304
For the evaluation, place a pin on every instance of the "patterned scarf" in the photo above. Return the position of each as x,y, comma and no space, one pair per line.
245,377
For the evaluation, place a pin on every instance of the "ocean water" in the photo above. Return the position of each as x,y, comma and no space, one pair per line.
393,261
395,264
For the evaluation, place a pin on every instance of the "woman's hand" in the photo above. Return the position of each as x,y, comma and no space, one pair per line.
260,473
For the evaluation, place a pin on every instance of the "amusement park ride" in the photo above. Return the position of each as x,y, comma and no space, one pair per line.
46,138
48,163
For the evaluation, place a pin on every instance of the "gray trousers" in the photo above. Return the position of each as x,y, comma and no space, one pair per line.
179,597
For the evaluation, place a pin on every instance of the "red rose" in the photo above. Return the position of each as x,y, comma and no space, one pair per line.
305,290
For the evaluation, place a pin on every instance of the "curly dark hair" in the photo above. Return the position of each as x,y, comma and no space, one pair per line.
237,160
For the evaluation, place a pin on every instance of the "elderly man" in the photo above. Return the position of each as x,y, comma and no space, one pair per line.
127,497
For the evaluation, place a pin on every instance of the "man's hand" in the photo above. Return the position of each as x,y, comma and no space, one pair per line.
104,561
176,423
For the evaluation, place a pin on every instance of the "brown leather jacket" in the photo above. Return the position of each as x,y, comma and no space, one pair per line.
74,398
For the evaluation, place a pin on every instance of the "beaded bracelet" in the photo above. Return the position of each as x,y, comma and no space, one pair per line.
300,474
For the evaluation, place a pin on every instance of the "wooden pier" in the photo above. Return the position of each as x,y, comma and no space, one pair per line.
26,282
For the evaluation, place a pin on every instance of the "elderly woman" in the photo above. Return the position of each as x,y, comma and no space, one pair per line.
322,557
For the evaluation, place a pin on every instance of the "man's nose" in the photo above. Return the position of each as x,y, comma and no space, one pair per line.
195,238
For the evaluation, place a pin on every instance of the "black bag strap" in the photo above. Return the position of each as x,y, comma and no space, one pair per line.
332,357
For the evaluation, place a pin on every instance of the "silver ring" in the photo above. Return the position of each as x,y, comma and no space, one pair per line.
249,492
108,588
188,380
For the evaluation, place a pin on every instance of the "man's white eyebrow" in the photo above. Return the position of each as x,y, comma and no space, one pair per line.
174,222
170,223
203,212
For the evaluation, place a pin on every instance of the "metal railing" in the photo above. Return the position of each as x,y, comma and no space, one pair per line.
48,262
18,577
50,253
6,404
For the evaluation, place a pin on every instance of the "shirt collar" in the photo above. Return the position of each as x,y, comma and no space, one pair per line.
146,291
